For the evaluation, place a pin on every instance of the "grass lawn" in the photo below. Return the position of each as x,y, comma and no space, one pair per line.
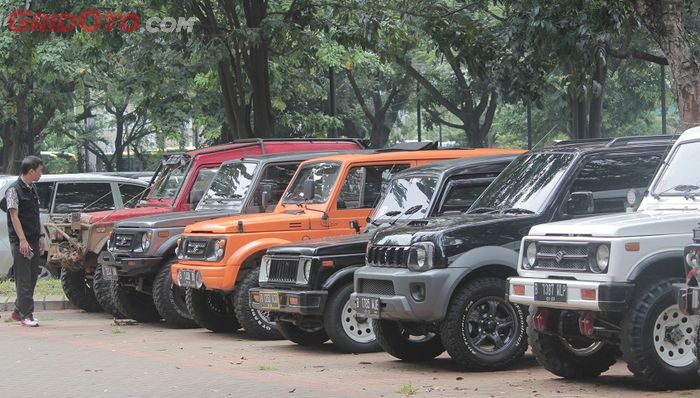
44,287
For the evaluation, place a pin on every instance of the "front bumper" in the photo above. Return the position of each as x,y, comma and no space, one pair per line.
308,302
611,297
130,267
416,296
688,298
214,277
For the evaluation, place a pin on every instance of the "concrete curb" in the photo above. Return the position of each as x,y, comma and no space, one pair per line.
41,303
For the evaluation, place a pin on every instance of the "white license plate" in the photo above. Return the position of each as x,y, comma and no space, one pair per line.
367,306
269,301
109,273
189,278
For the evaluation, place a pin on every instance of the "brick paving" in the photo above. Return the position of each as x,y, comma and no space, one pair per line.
74,354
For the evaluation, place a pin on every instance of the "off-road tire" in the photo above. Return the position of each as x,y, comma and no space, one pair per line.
339,323
134,304
212,310
169,299
393,339
104,293
637,341
470,301
78,289
552,353
304,338
253,321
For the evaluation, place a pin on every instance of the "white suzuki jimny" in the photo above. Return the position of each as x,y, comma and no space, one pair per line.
601,287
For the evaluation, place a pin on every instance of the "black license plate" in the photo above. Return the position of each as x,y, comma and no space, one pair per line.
269,301
109,273
189,278
552,292
368,306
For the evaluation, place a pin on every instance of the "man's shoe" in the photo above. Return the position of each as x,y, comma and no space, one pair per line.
30,322
15,316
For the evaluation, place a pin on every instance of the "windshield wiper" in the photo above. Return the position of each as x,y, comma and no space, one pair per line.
517,210
409,211
688,189
482,210
391,213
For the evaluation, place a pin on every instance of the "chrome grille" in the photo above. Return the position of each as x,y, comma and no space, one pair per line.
376,286
283,270
562,256
123,241
388,256
195,248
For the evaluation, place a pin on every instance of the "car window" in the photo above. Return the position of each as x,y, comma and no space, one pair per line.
609,179
460,194
130,194
45,191
90,196
364,185
204,177
277,176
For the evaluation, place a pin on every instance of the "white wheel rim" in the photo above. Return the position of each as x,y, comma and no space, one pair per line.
359,330
673,337
265,316
583,351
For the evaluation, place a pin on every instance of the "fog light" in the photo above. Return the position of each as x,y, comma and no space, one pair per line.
294,300
418,291
198,280
588,294
519,290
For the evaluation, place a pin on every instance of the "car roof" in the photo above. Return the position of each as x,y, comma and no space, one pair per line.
286,157
615,144
77,177
456,166
258,141
413,155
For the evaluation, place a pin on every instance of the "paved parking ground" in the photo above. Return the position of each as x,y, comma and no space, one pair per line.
74,354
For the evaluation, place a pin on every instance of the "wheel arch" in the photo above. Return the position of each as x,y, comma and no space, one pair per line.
663,264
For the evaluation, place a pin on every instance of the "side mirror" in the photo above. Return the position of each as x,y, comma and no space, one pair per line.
580,203
354,224
309,192
266,195
195,197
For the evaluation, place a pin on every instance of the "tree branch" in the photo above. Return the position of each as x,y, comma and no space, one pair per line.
434,92
436,116
358,95
490,112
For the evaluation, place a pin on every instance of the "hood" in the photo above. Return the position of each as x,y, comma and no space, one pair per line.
622,225
174,220
269,222
355,244
430,228
121,214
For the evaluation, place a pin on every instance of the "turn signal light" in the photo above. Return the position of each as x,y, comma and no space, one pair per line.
327,264
293,300
519,290
588,294
632,246
163,234
256,298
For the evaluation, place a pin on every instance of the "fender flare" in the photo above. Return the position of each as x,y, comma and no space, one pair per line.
167,249
241,254
649,261
468,262
338,276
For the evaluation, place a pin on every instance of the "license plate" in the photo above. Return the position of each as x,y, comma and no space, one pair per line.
269,301
552,292
189,278
109,273
368,306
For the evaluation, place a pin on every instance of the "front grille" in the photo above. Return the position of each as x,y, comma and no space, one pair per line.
562,256
283,270
123,241
388,256
195,248
376,286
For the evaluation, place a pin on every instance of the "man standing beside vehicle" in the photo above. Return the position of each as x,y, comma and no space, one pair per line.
24,227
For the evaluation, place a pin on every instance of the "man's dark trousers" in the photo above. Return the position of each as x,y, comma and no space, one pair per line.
26,272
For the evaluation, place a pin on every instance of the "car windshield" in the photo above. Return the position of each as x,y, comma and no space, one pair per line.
526,185
229,187
324,176
678,177
170,177
406,194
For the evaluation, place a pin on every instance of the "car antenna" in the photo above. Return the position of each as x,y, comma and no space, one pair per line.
537,144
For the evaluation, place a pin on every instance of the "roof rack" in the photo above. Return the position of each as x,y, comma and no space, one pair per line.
618,141
411,146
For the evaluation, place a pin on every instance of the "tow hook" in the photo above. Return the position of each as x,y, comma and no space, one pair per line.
541,319
585,324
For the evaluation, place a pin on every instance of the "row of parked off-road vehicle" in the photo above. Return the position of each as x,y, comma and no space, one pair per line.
576,248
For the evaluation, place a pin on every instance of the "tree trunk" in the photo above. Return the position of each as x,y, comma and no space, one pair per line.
664,20
595,115
119,143
258,70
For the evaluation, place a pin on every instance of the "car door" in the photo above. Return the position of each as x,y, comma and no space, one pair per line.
460,193
83,196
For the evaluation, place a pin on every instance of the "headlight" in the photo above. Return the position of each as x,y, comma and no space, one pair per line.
219,250
307,269
420,256
264,269
602,258
530,256
178,249
146,240
691,258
